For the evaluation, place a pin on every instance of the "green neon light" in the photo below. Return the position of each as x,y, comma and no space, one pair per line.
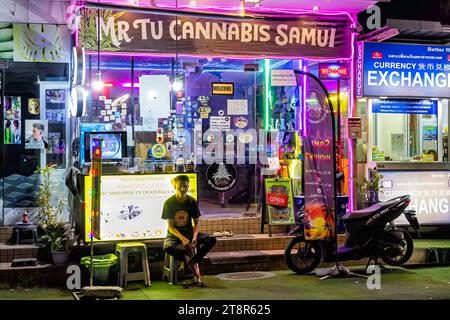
266,93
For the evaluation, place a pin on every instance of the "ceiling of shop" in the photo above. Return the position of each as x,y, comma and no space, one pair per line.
323,5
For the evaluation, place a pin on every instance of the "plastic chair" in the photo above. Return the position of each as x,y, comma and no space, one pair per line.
170,271
123,251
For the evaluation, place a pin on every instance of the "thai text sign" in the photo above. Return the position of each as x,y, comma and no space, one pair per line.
301,36
402,70
404,106
354,126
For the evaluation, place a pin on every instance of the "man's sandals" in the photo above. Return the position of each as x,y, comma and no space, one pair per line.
197,283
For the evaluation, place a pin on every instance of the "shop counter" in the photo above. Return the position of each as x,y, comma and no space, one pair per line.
428,184
131,205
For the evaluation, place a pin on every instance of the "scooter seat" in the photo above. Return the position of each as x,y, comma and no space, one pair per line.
370,211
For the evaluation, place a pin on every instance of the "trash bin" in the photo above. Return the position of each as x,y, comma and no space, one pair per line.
103,268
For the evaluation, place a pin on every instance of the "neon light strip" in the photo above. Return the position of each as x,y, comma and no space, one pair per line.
146,54
266,93
305,127
128,85
253,10
299,113
351,112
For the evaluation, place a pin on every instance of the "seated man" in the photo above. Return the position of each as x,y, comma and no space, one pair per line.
182,214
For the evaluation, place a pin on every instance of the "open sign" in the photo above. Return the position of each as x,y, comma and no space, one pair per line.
278,199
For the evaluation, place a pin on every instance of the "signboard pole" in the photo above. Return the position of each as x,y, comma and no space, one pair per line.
96,173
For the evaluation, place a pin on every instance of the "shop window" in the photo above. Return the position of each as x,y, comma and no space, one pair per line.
405,137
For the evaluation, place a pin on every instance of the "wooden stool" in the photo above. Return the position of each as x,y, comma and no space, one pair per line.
123,250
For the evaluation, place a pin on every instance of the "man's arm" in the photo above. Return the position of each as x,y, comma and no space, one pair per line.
185,241
196,229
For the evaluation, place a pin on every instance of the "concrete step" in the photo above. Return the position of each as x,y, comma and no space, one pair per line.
241,242
238,225
9,252
44,273
266,260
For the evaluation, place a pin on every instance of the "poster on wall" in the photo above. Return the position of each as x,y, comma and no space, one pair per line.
282,78
154,100
12,120
219,123
33,106
12,132
237,107
280,204
36,134
12,108
319,164
41,43
55,96
429,191
131,206
6,41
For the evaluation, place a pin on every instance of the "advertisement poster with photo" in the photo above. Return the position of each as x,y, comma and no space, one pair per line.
12,129
36,134
12,108
12,132
429,191
55,96
131,206
33,106
320,193
280,203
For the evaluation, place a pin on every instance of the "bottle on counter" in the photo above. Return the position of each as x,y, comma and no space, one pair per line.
190,165
180,165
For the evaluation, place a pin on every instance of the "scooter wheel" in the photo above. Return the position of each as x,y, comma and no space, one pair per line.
302,256
407,245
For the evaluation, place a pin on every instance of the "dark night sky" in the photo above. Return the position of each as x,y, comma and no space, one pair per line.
430,10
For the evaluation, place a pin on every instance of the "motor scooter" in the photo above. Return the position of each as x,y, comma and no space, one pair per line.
370,232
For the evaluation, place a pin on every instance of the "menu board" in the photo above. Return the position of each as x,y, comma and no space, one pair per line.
280,203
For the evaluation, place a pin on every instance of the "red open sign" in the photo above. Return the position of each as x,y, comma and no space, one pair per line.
278,199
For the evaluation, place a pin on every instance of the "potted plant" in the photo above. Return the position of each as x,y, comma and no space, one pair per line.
55,231
368,189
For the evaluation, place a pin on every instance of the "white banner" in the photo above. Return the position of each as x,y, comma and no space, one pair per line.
131,205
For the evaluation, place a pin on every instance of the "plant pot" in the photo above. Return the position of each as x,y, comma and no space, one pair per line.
60,258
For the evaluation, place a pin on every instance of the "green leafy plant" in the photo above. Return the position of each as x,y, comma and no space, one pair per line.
56,232
368,189
87,35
